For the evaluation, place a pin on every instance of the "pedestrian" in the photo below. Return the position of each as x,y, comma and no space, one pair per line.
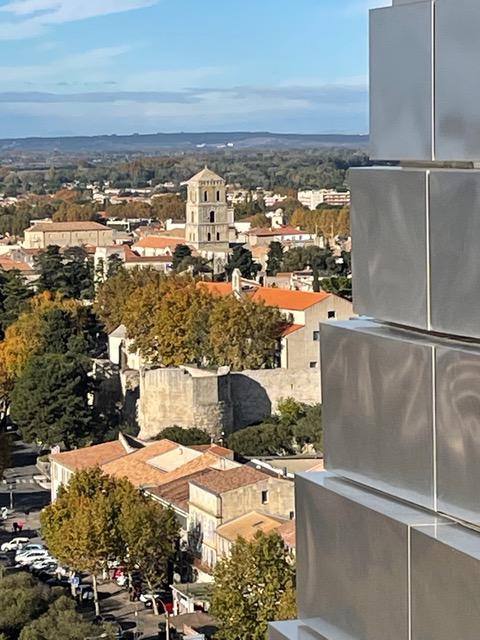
20,526
15,527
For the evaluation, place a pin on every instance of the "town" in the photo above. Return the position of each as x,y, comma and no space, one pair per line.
162,342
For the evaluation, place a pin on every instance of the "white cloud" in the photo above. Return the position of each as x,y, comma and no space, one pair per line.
36,15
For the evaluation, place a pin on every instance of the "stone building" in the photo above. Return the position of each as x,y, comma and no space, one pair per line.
67,234
186,397
208,215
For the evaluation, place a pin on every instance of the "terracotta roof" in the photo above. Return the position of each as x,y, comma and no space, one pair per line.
246,526
223,452
222,481
217,288
85,225
136,468
290,300
99,454
158,242
177,492
292,328
288,532
7,264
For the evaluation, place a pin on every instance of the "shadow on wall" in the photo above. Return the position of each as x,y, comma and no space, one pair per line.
251,403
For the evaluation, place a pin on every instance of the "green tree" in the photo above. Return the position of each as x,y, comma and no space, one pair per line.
244,334
339,285
14,296
275,258
22,599
62,621
253,587
187,437
50,400
150,534
82,527
241,258
69,273
180,257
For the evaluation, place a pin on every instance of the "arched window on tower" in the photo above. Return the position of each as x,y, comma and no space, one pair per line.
212,216
218,196
205,196
209,237
218,237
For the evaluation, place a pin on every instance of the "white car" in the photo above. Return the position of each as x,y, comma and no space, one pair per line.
27,548
39,565
31,557
15,544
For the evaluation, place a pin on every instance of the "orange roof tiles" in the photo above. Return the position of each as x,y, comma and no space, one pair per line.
222,481
177,492
286,299
84,225
248,525
96,455
7,264
159,242
214,448
217,288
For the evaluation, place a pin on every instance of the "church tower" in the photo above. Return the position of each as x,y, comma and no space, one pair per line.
208,215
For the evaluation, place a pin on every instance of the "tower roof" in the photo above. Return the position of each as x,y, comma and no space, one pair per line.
205,175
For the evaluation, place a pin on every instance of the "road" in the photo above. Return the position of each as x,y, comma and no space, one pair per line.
28,497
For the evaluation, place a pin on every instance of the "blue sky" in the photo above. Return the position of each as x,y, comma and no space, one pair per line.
85,67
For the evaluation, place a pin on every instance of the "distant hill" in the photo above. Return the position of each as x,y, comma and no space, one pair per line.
178,141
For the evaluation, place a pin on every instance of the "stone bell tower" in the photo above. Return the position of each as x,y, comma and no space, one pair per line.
208,215
388,540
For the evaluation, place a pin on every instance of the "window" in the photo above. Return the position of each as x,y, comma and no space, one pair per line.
205,196
212,216
264,497
313,365
292,515
331,315
316,336
218,237
209,237
218,196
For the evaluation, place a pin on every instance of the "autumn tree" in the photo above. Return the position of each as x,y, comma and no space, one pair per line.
81,528
253,587
50,400
150,533
244,334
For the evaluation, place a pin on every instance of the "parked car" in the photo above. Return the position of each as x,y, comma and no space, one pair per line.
32,556
27,548
84,593
15,544
161,598
43,564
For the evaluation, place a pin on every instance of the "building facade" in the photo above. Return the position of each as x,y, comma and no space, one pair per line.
67,234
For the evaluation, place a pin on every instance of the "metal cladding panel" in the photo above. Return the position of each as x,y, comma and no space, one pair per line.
389,222
458,432
455,267
401,86
294,630
445,583
352,554
377,386
457,126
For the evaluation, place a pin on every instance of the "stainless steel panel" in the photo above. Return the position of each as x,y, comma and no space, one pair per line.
454,240
458,432
401,82
389,222
457,83
377,392
445,583
352,553
294,630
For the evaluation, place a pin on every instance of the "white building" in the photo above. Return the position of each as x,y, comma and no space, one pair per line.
312,198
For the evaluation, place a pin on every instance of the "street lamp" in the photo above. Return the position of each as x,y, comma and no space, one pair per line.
167,624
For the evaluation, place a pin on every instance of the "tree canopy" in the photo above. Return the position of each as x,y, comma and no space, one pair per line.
241,258
68,272
187,437
254,586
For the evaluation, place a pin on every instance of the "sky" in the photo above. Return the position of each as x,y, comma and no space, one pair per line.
89,67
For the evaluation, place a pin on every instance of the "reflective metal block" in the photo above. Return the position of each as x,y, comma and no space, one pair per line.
352,554
377,386
401,87
454,247
458,431
294,630
445,583
457,125
389,227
